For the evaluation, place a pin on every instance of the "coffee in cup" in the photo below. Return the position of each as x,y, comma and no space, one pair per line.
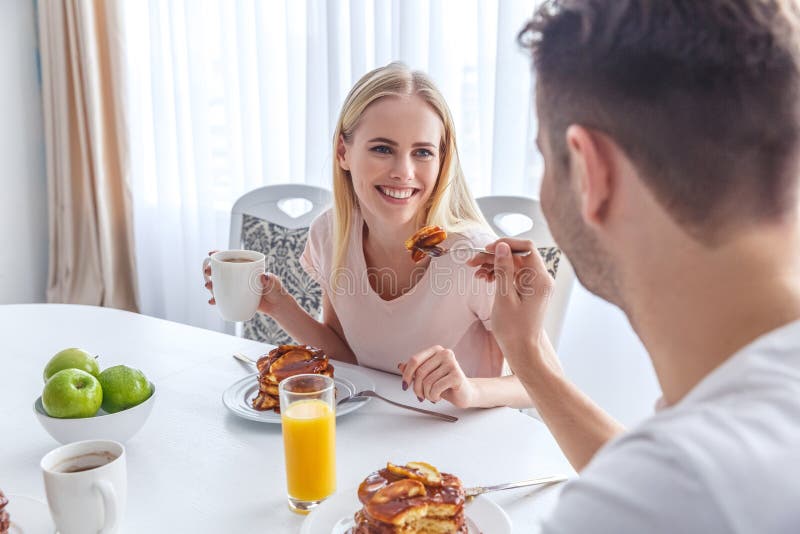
86,486
85,462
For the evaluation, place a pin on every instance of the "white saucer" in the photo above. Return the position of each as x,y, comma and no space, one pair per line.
29,516
335,516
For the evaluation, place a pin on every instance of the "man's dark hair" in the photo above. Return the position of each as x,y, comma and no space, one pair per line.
702,95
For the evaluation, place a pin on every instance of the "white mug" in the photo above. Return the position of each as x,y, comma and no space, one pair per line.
86,486
236,275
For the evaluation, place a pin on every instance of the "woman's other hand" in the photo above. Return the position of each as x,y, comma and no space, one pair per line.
434,374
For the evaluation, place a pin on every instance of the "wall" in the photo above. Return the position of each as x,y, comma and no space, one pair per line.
603,356
23,192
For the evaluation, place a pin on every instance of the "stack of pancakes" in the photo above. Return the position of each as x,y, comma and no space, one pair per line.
411,499
5,520
283,362
426,237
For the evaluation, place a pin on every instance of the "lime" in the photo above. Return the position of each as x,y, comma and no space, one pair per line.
123,388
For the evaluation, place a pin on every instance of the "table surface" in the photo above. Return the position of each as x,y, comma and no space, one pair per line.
196,467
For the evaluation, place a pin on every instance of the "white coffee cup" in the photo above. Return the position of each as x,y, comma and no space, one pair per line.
86,486
236,275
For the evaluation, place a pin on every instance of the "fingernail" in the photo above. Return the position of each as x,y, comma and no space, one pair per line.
420,399
405,386
502,250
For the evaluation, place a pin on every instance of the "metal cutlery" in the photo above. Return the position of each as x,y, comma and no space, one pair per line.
351,398
368,393
437,251
479,490
244,358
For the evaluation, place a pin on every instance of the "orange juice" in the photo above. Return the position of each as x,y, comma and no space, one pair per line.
309,442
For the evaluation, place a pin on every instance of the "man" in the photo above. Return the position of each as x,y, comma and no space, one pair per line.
670,131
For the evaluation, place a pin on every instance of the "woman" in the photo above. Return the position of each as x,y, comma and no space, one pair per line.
395,170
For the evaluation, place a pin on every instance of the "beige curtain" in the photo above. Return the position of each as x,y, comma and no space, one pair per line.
91,235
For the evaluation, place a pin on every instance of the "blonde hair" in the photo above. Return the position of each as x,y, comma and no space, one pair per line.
450,205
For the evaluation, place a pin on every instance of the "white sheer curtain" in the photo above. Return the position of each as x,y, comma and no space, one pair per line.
227,96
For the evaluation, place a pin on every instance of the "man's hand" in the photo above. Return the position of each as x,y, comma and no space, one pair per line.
522,291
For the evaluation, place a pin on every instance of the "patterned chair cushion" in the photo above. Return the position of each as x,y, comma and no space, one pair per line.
283,248
551,257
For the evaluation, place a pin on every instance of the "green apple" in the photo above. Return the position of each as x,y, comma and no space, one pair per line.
123,388
71,359
72,393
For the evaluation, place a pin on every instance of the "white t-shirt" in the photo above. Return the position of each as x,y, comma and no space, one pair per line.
726,458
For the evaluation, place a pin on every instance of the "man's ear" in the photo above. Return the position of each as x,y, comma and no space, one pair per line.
592,164
342,154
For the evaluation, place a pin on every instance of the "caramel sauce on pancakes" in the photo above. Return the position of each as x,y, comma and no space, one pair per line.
414,498
281,363
5,519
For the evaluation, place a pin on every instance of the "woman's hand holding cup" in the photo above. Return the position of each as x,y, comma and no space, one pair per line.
235,279
271,294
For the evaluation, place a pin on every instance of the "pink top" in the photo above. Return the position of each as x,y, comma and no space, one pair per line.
448,306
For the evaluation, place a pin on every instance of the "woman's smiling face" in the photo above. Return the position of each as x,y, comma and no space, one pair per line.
393,158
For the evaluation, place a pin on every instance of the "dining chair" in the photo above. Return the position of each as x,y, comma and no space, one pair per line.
274,220
522,218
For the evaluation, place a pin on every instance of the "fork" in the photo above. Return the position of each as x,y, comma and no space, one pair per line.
479,490
369,393
437,251
244,358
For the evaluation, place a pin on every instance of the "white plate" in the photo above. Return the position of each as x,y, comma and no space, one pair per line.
239,395
28,516
335,516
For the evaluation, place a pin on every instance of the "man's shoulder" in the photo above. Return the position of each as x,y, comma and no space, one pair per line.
634,484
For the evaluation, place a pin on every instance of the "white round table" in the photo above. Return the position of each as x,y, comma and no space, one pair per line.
195,467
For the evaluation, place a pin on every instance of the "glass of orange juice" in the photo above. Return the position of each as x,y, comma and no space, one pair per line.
308,419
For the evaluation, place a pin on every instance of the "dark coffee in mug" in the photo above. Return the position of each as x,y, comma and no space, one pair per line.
85,462
78,469
237,260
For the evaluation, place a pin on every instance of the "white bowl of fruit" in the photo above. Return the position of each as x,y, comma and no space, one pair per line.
79,402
